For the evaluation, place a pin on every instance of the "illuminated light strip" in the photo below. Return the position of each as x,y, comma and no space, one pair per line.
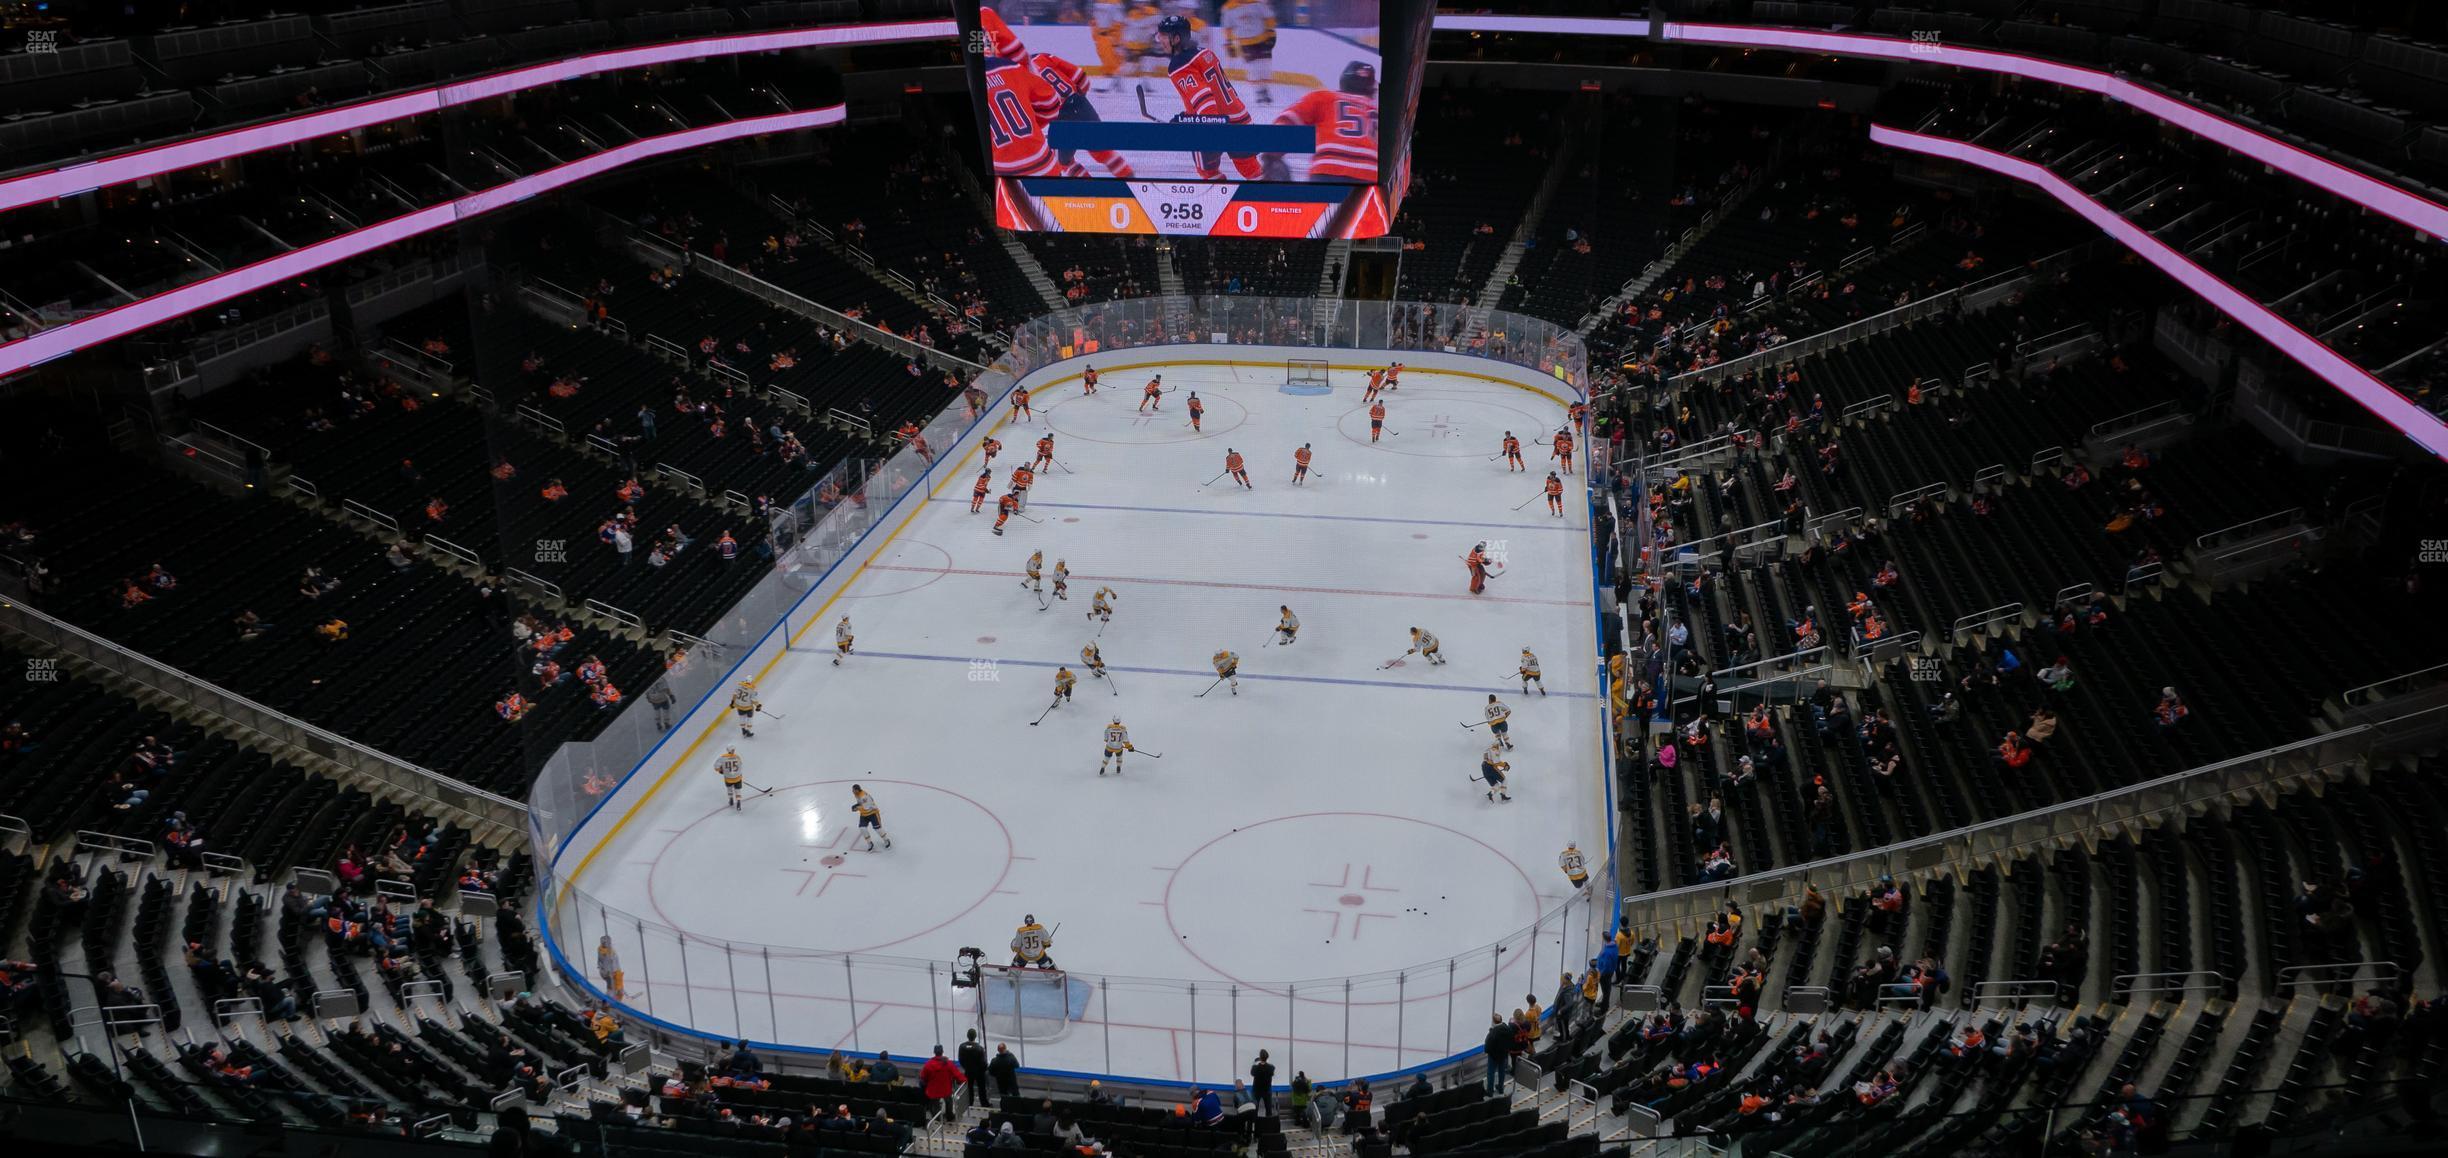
2330,366
62,340
2370,192
69,180
1561,25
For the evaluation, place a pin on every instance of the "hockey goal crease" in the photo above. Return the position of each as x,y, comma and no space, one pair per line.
1029,1004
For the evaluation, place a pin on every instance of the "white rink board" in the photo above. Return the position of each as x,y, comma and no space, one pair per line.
1319,825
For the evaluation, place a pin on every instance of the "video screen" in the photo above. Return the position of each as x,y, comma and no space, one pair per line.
1145,115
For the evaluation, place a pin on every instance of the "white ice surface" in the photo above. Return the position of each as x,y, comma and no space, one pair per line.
1322,824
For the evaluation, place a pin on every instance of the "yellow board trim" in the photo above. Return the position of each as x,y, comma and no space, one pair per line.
571,881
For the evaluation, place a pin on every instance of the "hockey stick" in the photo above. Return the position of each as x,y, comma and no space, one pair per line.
1143,106
1391,662
1037,520
762,712
1113,687
1066,467
1210,688
1149,755
1102,626
1467,727
1531,499
1211,482
760,791
1042,715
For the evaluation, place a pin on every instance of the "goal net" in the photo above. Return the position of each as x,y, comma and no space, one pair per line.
1306,374
1029,1004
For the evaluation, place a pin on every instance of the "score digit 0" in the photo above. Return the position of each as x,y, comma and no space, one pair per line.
1119,213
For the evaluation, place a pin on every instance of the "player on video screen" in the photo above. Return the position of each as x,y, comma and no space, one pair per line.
1251,24
1346,123
1206,93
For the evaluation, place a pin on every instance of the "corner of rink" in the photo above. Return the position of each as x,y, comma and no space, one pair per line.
1319,814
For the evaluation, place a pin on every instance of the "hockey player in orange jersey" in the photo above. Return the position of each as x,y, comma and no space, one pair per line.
1022,478
977,494
1232,466
1555,495
1198,411
1300,465
1153,396
1346,123
1088,380
1376,382
1477,562
1376,420
1564,449
1512,453
1045,451
1005,507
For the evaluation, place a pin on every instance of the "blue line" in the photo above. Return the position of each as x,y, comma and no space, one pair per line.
1197,674
1288,515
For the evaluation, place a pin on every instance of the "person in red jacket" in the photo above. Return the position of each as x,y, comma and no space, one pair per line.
937,1079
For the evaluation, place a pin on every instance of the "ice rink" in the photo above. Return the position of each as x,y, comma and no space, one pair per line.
1322,824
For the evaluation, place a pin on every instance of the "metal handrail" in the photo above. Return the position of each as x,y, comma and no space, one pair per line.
1980,619
2017,991
1901,499
2249,528
2368,692
2348,972
2175,981
2135,418
1844,516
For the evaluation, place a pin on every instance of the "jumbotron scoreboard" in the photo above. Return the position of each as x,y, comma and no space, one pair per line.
1191,208
1197,118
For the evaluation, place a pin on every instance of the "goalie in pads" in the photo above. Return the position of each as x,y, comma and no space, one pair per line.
1032,947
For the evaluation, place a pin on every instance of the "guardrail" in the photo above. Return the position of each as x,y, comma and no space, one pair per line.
2049,457
2339,973
1982,620
1902,499
2135,419
369,514
492,816
2182,981
1870,407
657,343
1846,515
2018,992
299,485
454,550
693,484
540,420
89,840
534,581
608,611
2396,685
2248,529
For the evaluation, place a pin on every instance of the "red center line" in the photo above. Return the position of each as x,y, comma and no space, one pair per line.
1077,577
